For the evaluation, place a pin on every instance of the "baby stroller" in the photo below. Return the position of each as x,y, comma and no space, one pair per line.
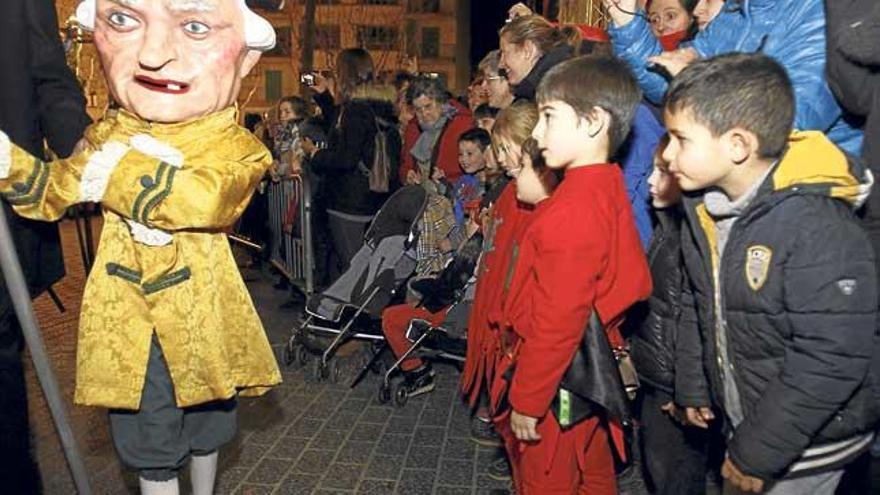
451,289
376,273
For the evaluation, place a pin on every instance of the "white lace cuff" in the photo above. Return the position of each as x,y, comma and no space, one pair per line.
151,146
151,237
5,155
96,174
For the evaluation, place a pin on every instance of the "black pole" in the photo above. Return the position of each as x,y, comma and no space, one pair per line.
21,301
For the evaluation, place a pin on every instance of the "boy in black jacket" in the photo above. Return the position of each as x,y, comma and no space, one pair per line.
674,455
782,275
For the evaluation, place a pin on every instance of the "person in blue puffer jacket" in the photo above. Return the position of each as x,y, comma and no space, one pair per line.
636,161
790,31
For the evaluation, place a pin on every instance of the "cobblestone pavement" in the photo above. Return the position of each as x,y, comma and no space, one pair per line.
319,437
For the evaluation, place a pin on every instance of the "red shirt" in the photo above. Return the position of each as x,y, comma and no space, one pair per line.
581,251
510,219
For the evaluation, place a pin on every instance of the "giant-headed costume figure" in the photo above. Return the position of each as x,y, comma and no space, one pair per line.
168,334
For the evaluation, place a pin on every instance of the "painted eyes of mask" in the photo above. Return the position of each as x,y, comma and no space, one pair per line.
196,28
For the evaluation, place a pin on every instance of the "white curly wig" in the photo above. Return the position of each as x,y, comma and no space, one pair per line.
258,32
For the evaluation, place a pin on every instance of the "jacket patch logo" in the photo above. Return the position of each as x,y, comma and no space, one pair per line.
758,265
847,286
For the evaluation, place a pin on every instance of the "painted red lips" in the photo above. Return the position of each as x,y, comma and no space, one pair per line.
162,85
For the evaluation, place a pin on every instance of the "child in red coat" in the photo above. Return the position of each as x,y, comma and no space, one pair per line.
580,254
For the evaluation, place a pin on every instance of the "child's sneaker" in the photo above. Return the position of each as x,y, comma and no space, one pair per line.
483,433
419,381
499,468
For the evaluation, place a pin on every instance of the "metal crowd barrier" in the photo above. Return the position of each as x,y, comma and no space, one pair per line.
293,254
292,249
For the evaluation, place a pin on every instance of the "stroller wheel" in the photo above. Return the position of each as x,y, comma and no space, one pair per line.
288,355
332,371
400,395
302,355
319,370
384,395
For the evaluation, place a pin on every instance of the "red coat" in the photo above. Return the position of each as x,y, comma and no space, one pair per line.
581,251
510,219
447,157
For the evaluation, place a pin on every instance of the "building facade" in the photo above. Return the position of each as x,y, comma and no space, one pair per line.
430,35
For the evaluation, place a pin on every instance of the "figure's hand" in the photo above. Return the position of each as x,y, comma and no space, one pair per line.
621,11
519,10
524,427
740,480
699,416
413,178
151,146
675,61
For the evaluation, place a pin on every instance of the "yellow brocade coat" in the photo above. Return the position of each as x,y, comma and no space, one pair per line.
189,291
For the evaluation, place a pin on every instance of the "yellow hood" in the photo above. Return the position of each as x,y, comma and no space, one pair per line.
814,164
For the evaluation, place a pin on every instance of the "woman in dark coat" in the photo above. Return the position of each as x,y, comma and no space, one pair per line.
364,109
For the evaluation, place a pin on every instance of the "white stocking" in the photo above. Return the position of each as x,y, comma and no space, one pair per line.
169,487
203,470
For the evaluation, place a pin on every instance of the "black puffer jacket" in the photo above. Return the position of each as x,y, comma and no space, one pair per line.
654,323
799,302
351,143
527,88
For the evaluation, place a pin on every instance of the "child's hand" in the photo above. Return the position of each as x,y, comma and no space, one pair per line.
485,216
295,165
413,178
524,427
471,227
699,416
437,175
444,245
737,478
673,411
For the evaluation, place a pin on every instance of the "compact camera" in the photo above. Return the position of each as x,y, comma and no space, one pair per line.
307,79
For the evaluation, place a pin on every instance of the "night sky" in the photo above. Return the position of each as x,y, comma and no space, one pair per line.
487,17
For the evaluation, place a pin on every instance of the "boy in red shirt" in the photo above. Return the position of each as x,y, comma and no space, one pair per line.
581,253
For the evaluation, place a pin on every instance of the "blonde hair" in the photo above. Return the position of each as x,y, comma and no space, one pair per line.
533,28
515,123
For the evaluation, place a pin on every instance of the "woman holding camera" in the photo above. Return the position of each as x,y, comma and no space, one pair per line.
355,114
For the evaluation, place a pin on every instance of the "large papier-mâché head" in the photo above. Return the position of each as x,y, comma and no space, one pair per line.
175,60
